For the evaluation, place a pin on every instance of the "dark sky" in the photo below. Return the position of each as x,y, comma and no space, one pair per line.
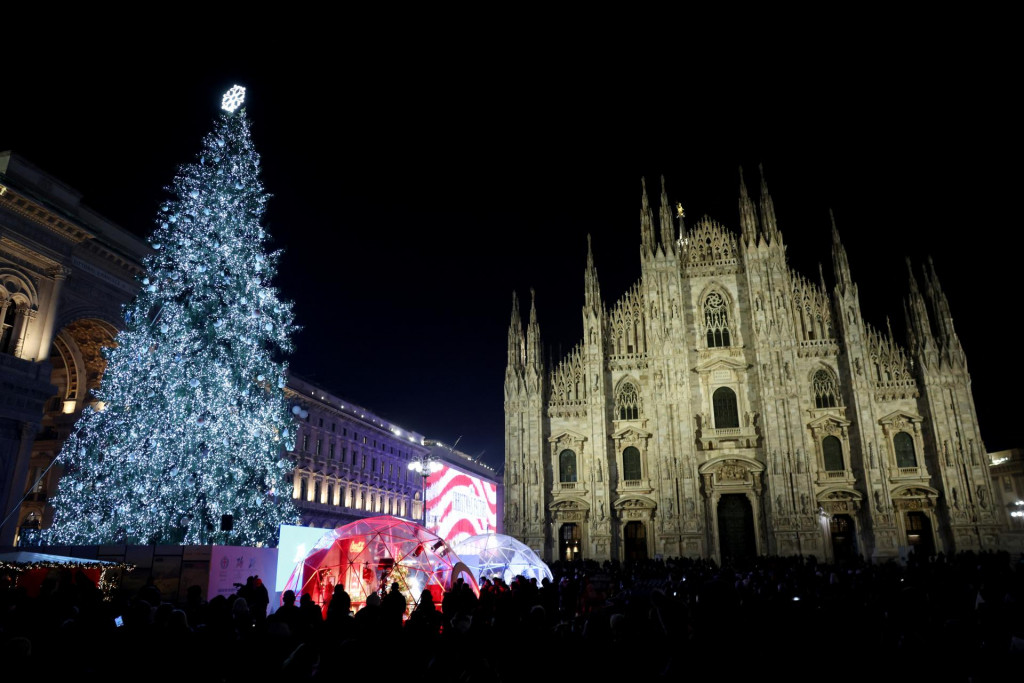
411,199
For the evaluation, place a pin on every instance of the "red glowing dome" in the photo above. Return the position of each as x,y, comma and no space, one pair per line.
371,554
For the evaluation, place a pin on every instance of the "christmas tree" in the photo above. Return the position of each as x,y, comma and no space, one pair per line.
192,422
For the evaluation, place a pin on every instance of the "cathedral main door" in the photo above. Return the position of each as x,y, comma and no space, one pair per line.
844,540
569,537
919,534
736,529
635,537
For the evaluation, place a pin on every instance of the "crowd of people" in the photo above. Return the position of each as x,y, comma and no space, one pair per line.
941,618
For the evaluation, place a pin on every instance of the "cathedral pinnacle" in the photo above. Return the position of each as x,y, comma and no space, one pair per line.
918,326
768,223
516,347
948,338
646,221
748,219
667,236
533,354
591,286
840,263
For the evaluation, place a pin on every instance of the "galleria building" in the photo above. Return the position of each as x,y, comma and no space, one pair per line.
727,406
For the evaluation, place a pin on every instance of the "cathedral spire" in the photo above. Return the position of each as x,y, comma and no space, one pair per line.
516,345
748,219
840,263
591,286
943,318
516,352
768,224
646,221
667,229
919,331
533,351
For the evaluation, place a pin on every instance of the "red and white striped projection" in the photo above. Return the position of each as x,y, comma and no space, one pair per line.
460,505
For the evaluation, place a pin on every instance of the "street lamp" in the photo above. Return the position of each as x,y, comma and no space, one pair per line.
425,466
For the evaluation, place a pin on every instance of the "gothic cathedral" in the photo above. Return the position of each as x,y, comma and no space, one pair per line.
727,407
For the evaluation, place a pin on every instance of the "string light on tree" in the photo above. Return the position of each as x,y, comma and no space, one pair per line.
195,417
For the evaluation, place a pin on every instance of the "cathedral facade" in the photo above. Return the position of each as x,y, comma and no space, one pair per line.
727,407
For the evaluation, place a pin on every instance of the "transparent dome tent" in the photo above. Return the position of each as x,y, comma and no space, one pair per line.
371,554
489,555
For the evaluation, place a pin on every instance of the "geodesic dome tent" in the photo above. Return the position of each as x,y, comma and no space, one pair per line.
499,555
372,554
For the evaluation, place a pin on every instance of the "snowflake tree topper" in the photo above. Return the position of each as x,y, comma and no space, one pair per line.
233,98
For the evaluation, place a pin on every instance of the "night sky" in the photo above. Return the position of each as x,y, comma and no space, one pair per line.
412,201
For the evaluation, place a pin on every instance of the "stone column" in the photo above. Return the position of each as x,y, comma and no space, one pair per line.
14,460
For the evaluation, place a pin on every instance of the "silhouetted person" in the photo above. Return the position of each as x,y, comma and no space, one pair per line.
340,624
258,599
392,607
336,638
195,606
150,593
310,616
368,619
425,620
289,614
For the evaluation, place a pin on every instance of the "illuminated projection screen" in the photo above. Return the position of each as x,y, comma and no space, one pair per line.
460,505
293,546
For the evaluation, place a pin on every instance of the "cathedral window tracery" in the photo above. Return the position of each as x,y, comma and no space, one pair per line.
627,402
627,323
716,321
826,394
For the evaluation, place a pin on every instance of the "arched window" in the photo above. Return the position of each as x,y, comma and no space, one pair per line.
716,320
627,402
824,387
631,464
302,488
903,443
567,466
832,454
727,416
9,310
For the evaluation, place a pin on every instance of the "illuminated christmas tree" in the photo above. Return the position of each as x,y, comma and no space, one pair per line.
186,444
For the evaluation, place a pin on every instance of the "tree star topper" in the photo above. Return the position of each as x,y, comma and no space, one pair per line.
233,98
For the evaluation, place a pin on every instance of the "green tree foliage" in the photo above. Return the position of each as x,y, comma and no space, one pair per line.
193,422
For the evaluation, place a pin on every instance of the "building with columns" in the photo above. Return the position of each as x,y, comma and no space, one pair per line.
350,463
727,406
